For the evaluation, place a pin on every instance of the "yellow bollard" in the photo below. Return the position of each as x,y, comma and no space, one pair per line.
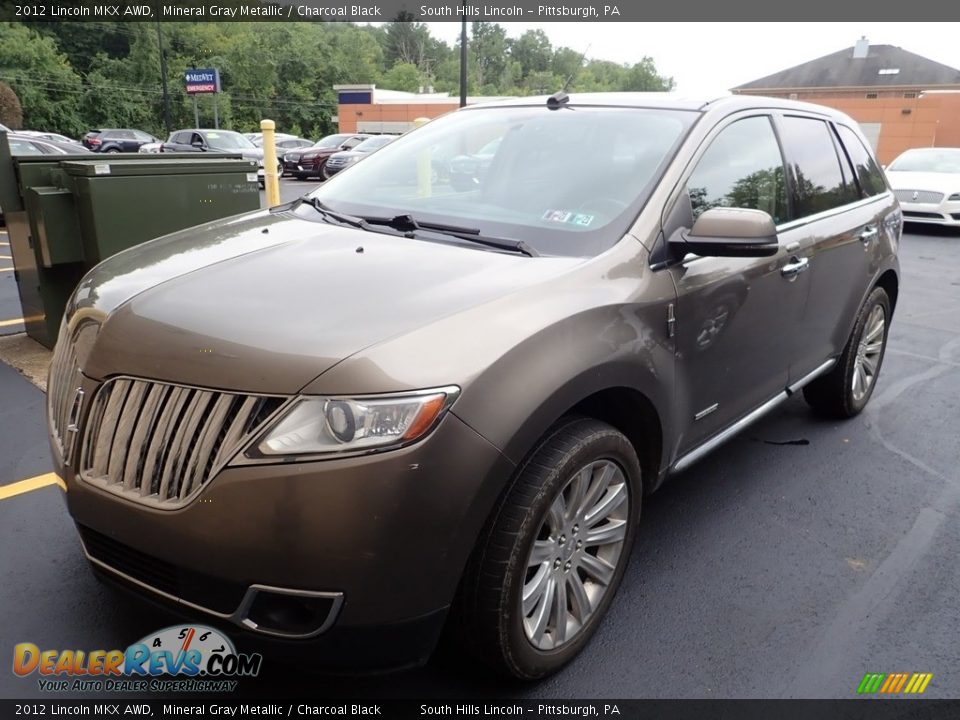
271,181
423,165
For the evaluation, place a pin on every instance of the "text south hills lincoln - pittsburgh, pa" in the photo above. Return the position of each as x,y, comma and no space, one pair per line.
507,10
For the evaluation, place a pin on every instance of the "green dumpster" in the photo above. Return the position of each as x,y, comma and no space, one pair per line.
66,213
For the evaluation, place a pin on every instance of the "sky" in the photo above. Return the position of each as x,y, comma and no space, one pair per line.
711,58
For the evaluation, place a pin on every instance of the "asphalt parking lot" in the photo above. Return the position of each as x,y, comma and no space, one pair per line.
797,558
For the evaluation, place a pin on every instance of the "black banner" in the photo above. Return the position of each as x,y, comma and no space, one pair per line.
557,709
456,10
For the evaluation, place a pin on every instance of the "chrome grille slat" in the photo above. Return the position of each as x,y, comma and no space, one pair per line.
148,416
170,480
61,388
922,196
197,464
126,422
158,444
235,432
111,417
156,452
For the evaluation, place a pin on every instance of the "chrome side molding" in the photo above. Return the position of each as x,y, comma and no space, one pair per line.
685,461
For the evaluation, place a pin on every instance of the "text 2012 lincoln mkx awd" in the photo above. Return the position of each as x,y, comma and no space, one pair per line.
394,404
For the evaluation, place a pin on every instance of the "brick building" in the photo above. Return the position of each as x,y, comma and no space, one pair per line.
900,99
367,108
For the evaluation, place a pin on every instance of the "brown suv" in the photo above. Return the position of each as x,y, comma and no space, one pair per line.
340,423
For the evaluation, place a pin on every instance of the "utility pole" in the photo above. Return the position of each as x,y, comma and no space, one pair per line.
163,81
463,61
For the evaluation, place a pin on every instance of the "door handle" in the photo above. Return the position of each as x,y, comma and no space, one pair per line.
869,233
795,267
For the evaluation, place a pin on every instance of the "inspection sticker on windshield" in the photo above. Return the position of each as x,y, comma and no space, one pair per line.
565,216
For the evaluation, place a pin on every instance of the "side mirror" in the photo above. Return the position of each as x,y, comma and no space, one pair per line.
198,144
730,232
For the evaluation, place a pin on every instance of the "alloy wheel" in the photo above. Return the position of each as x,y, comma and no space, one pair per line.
575,554
869,351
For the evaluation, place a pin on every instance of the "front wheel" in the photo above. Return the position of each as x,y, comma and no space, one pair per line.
552,557
846,389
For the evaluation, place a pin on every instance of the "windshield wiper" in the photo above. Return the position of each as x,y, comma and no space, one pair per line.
409,225
331,214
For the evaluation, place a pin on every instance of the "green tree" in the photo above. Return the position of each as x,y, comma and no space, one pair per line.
403,76
48,88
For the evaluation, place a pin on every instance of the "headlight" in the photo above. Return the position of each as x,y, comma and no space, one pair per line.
954,197
340,425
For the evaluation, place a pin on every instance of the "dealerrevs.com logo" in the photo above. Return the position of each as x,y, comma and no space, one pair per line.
181,658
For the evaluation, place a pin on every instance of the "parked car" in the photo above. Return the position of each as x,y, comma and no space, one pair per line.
21,144
205,140
343,159
418,406
309,162
466,171
112,140
284,144
926,181
56,137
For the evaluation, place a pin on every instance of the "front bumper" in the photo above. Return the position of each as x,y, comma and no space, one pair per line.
387,535
943,213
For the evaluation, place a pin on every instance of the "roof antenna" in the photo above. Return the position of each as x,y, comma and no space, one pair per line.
557,100
583,56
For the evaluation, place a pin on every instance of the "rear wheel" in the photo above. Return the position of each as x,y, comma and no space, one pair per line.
550,561
847,388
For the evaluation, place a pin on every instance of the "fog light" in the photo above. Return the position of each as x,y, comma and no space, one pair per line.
291,613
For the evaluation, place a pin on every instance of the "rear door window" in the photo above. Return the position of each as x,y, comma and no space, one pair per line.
812,156
742,168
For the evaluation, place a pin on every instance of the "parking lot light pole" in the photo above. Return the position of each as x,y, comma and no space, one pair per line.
463,62
271,181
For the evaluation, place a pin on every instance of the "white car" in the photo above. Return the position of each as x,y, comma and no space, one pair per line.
926,181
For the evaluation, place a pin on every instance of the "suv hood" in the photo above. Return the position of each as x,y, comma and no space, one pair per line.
947,183
266,303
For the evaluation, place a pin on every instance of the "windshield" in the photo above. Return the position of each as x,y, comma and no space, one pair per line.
566,182
940,160
374,143
228,140
331,141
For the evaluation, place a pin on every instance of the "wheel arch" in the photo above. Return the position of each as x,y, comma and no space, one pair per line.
890,282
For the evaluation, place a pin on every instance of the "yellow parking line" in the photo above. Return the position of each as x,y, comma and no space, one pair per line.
5,257
31,484
8,323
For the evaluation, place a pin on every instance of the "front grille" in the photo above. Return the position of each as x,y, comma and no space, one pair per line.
336,162
207,592
62,385
159,444
927,215
922,196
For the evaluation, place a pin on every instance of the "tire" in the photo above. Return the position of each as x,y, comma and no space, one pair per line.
576,457
112,150
847,388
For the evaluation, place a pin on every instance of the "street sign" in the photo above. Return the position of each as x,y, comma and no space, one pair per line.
202,80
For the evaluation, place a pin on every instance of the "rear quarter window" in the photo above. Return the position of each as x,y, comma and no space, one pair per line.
869,176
